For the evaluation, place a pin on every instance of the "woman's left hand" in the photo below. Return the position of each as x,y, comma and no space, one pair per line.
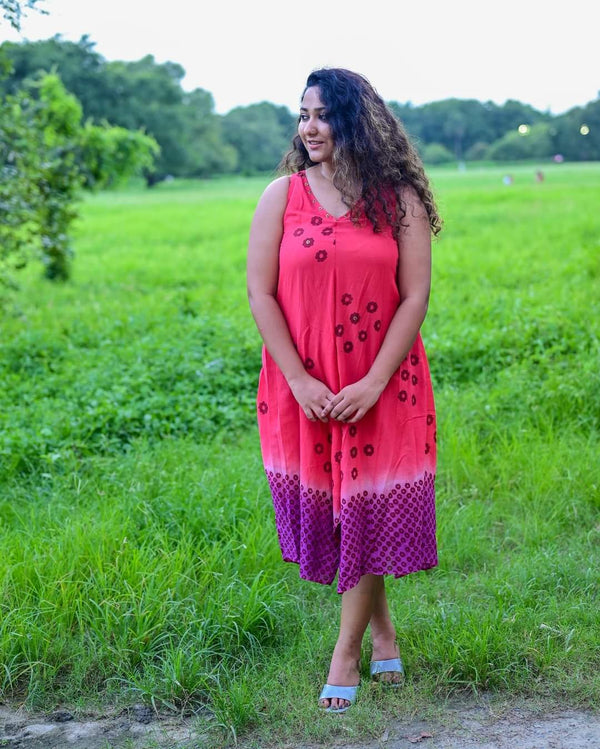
353,401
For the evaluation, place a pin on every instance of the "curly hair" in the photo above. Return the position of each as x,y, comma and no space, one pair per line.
371,150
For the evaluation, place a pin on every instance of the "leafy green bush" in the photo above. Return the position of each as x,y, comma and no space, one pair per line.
436,153
477,152
46,157
536,143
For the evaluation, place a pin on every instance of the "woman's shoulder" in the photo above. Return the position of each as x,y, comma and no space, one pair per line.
275,194
278,186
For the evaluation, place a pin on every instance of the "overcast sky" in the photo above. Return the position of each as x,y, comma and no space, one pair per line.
244,51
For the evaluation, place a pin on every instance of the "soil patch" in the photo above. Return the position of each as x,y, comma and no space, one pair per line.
136,727
459,725
485,726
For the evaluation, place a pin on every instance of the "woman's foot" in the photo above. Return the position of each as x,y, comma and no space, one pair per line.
385,648
343,672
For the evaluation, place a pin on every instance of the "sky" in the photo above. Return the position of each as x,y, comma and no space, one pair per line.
245,51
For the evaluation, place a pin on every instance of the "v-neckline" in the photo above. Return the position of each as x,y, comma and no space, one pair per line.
313,198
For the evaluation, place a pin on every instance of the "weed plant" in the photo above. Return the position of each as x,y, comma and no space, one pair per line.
138,555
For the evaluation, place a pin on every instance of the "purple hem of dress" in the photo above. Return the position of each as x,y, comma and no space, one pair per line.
385,533
351,583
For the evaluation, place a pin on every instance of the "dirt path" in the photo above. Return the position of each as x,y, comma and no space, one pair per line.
460,725
469,726
137,727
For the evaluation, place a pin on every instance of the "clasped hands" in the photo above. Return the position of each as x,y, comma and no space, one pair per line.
348,406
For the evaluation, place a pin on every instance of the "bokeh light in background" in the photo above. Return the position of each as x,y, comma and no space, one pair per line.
584,130
523,129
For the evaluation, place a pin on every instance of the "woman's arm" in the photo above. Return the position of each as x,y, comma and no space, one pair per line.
262,273
414,282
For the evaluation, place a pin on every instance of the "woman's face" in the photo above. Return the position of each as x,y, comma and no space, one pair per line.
313,127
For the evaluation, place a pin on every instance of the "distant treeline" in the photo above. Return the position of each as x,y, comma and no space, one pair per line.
197,142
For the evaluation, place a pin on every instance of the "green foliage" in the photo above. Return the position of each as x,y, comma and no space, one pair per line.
116,622
149,96
184,124
459,124
477,152
436,153
196,142
46,157
568,137
195,382
110,155
19,194
77,64
37,127
535,144
160,389
140,95
58,116
14,10
260,133
208,151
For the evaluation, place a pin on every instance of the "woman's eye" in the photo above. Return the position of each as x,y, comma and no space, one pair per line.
303,117
323,117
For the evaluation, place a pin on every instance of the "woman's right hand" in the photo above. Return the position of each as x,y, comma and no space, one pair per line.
312,396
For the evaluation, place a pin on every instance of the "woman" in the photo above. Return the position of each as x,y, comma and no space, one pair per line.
339,267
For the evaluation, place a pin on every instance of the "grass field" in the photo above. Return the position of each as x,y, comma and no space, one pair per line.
138,556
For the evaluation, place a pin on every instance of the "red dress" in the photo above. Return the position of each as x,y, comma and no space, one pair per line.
349,498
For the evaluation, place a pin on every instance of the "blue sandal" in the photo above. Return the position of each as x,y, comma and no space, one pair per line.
392,665
342,693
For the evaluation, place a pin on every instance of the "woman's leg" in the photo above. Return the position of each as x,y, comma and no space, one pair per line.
383,632
357,610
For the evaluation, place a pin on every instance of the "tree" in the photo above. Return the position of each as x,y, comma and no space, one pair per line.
79,67
534,144
208,153
46,157
513,113
455,123
134,95
144,94
260,133
436,153
477,151
459,124
577,133
196,142
13,11
108,155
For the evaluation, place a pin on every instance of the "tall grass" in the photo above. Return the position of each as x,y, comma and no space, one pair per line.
138,554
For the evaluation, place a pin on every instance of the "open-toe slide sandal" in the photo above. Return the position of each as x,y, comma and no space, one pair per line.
392,665
342,693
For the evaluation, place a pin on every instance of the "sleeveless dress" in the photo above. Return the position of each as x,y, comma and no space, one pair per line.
356,498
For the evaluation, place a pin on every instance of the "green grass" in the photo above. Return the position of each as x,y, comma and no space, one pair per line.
138,556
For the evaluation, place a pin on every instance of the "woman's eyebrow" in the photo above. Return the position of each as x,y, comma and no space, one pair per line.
316,109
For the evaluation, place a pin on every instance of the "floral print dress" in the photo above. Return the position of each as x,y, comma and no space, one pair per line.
350,499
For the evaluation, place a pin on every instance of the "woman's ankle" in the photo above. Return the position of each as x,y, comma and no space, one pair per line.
383,638
349,649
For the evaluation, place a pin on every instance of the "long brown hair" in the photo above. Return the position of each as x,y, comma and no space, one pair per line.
371,150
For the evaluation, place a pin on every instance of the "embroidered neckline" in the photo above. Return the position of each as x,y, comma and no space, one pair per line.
315,202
